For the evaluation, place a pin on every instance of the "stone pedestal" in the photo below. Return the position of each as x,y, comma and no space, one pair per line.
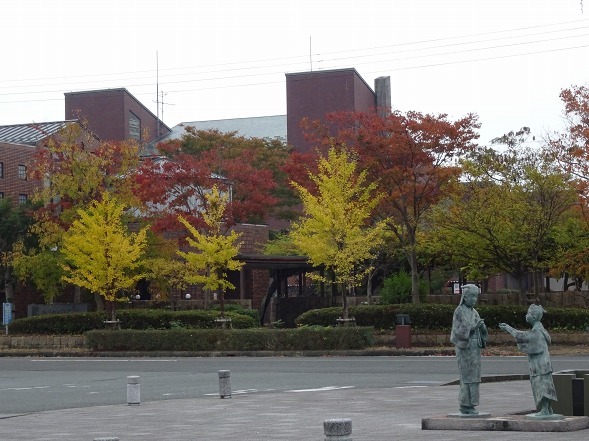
513,423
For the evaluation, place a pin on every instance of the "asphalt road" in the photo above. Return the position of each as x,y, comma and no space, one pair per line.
36,384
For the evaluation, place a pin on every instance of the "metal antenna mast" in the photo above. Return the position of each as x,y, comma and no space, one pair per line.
310,53
157,93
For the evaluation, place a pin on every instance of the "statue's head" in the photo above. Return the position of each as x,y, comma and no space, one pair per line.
470,294
535,313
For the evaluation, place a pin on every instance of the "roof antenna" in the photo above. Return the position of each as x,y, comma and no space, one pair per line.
157,93
310,53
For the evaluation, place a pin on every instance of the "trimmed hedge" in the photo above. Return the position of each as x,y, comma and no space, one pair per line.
439,317
78,323
260,339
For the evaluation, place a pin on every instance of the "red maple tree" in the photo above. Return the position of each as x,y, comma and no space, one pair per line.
176,181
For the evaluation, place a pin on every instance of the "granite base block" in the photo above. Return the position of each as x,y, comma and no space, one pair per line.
513,423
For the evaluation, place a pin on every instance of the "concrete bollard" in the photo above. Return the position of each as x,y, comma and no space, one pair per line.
338,429
225,384
133,390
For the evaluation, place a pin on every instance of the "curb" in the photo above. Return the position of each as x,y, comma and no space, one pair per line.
335,353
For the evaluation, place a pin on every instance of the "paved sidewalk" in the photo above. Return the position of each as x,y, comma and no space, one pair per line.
377,415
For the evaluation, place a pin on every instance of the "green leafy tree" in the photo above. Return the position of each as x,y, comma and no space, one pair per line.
506,217
570,260
43,268
15,222
100,253
212,253
335,230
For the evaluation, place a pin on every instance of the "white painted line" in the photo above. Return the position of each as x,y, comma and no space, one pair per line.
95,360
321,389
243,391
26,388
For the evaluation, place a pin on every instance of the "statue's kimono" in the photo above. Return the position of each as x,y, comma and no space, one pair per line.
535,343
468,344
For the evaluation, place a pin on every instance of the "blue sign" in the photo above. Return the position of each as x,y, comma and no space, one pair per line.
6,313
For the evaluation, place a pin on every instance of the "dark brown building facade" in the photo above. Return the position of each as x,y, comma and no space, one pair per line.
18,144
14,163
114,115
315,94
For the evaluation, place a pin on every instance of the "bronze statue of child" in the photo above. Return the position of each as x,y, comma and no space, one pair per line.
535,343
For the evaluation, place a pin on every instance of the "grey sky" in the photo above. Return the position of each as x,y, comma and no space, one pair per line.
504,60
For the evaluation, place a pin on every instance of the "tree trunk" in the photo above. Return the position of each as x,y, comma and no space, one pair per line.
369,287
207,294
222,302
414,276
99,302
110,310
345,311
77,294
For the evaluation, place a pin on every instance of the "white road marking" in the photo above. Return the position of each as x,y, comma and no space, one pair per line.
321,389
93,360
26,388
242,391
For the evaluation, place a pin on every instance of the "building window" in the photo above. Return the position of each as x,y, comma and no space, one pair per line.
134,127
22,172
1,169
1,195
22,198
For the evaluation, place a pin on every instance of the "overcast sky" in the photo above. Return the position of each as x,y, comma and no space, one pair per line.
505,60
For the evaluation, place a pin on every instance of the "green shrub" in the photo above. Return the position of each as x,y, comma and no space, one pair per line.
165,319
78,323
62,324
259,339
238,309
437,317
396,289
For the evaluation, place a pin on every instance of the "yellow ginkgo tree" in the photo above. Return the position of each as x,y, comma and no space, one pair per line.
335,231
101,254
212,253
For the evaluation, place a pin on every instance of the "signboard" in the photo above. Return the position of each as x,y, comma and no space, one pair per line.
6,313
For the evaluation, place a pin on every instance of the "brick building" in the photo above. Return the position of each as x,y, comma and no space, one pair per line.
18,144
114,115
313,95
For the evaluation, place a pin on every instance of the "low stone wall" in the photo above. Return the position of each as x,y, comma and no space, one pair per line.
546,299
41,342
435,340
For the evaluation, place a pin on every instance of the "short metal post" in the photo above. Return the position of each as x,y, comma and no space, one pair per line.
133,390
338,429
225,384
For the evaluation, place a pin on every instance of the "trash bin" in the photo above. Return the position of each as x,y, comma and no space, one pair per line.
403,331
572,390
